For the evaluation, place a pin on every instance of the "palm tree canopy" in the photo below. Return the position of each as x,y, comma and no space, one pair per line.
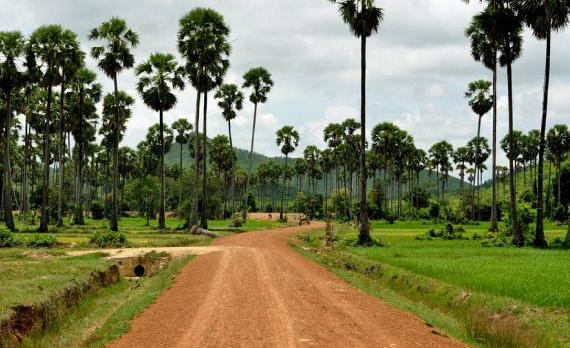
479,96
46,47
288,139
125,102
203,43
362,16
500,29
230,100
158,76
333,134
512,144
183,129
12,49
259,80
479,151
543,16
558,140
115,55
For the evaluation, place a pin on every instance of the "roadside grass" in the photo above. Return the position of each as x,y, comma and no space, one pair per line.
106,315
495,296
139,234
31,276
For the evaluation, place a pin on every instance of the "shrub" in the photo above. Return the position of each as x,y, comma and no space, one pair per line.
434,211
7,239
559,214
108,239
236,222
97,210
496,241
447,232
476,236
41,241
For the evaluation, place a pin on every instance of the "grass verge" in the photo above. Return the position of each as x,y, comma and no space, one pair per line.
105,316
480,318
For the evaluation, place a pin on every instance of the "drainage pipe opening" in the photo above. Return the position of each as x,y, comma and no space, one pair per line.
139,270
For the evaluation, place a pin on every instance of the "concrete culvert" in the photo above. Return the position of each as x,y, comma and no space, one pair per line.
139,270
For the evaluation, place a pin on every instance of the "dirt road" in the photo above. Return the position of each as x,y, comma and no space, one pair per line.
257,292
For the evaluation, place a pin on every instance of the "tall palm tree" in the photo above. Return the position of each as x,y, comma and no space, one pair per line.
12,49
158,76
288,139
544,17
230,101
363,18
333,136
114,57
203,43
70,59
259,80
558,143
481,102
85,93
182,128
44,47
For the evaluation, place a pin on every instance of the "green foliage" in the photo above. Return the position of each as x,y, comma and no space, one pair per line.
41,241
7,239
97,210
447,232
108,239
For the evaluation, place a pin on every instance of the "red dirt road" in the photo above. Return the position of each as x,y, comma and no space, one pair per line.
257,292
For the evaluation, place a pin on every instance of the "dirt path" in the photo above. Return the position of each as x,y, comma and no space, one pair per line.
257,292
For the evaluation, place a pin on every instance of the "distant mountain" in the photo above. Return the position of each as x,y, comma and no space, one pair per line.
173,157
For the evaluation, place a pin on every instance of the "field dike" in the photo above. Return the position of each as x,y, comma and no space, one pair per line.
487,321
26,320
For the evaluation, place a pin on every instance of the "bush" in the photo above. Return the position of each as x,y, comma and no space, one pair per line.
97,210
108,239
7,239
447,232
496,241
41,241
559,214
434,211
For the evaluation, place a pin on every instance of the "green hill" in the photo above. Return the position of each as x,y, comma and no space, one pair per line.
173,157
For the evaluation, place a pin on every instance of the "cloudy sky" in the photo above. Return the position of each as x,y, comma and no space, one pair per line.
419,65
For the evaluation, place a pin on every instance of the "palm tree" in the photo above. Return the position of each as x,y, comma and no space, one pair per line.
498,28
85,93
363,18
558,143
259,80
157,78
333,136
203,43
311,156
70,60
12,49
230,101
183,129
544,17
288,139
480,100
114,57
44,47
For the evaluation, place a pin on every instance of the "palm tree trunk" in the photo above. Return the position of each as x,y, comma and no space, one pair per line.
539,239
250,160
180,178
115,188
61,159
161,212
281,213
204,219
232,181
517,234
494,226
25,165
8,216
363,228
44,220
79,219
194,218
